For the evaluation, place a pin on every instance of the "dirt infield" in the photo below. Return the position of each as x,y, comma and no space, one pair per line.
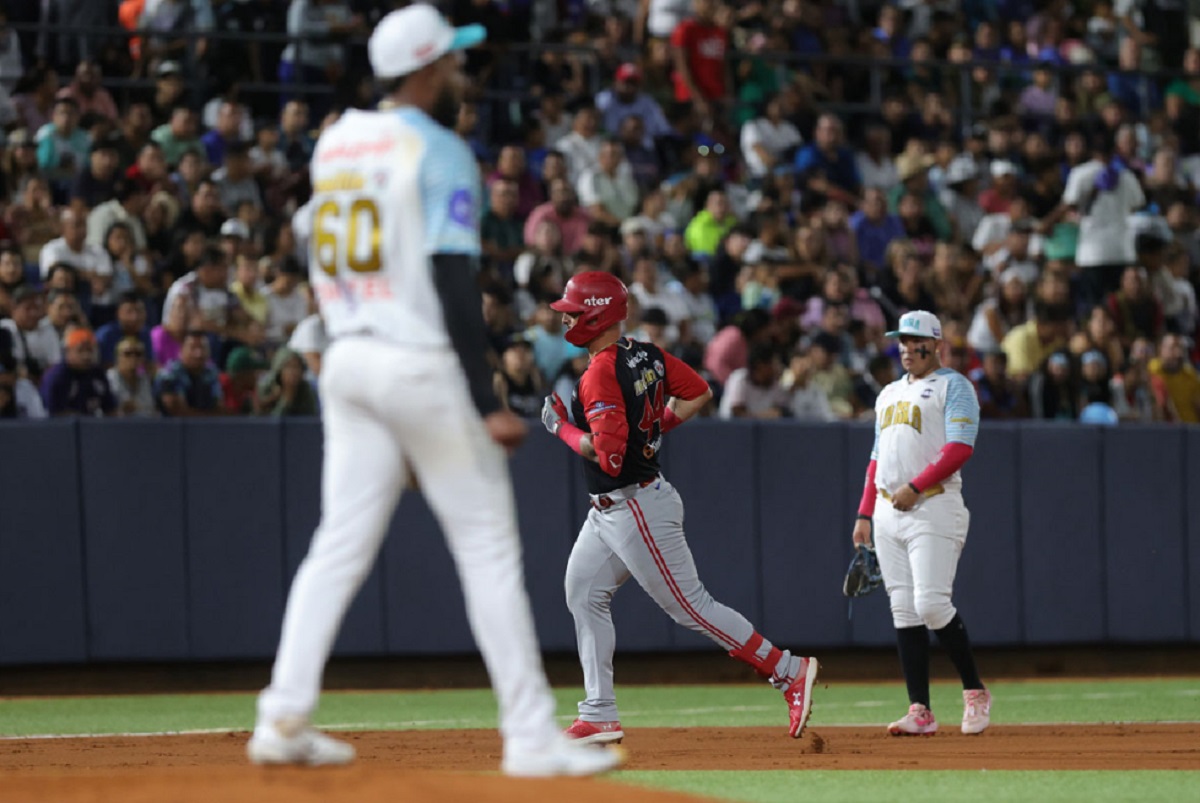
451,765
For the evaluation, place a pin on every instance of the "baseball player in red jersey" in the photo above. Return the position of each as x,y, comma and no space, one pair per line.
631,394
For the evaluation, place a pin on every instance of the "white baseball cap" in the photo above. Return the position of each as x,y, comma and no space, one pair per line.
406,40
918,323
961,169
1003,167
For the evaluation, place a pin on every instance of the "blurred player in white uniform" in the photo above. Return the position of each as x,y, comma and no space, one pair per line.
925,428
406,389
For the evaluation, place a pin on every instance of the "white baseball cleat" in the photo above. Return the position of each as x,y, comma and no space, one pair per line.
977,711
919,721
563,757
294,741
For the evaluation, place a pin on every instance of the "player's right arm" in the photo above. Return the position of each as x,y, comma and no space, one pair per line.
866,506
604,407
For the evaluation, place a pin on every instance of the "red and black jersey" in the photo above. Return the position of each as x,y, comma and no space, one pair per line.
619,401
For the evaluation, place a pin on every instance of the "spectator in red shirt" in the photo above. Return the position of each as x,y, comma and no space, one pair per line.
700,46
240,381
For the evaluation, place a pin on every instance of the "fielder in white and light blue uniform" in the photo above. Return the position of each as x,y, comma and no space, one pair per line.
406,390
925,428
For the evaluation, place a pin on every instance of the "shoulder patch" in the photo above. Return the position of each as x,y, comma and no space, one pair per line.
462,208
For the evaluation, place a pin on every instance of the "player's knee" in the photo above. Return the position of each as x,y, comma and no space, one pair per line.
904,613
934,609
583,596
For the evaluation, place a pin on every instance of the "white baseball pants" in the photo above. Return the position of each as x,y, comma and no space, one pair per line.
918,556
387,409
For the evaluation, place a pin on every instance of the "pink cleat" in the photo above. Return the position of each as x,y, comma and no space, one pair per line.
977,710
918,721
595,732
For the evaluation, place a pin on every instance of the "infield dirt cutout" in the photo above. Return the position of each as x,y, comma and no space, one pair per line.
460,765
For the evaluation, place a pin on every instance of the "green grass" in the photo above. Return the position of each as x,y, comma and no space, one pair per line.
1100,786
641,706
1176,699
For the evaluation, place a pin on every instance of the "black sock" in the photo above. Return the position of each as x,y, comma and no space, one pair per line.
958,646
913,644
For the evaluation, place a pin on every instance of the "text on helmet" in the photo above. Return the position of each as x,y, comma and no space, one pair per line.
595,301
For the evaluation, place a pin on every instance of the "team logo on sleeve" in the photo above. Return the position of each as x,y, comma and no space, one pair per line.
462,208
925,394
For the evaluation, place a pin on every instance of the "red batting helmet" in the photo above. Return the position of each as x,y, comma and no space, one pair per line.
598,298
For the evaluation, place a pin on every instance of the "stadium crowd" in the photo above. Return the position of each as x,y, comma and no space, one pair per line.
1027,169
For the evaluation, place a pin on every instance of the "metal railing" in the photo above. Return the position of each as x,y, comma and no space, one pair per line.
513,59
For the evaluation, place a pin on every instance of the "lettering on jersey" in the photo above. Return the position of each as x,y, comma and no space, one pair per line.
962,420
353,288
901,413
596,301
633,359
462,208
599,407
647,380
357,150
344,181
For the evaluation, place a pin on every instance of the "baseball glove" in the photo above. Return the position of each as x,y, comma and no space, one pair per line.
863,576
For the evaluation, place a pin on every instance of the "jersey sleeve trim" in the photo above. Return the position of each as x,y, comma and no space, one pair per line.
961,410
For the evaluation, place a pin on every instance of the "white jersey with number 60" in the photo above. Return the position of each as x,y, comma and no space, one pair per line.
390,189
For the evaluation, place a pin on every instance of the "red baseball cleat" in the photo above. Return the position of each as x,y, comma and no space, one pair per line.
595,732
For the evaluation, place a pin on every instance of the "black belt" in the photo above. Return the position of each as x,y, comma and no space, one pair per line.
604,501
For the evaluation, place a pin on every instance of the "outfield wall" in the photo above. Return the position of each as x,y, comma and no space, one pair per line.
169,540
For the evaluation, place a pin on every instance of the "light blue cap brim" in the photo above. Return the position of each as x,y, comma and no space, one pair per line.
467,36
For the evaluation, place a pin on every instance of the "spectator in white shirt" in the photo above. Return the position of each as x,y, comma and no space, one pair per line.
127,206
875,164
36,344
992,230
608,192
287,302
19,398
89,261
809,402
581,147
1104,194
769,140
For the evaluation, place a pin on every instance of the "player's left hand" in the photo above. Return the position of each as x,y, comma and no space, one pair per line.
554,413
905,499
